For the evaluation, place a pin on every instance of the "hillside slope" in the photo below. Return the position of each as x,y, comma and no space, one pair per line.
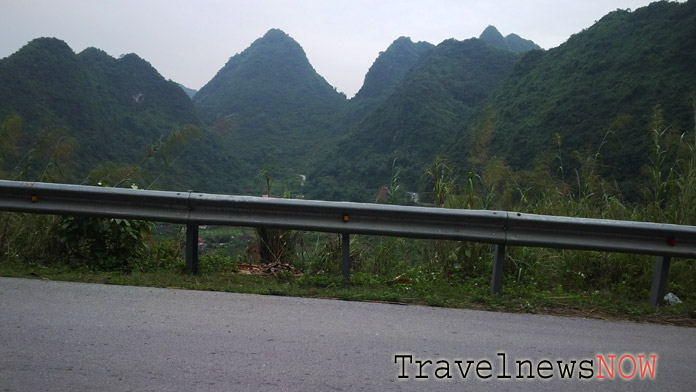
597,89
391,66
415,123
511,42
270,106
113,109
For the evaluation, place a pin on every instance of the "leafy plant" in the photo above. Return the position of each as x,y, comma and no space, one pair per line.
101,243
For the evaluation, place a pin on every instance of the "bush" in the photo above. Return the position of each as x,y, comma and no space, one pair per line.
216,262
107,244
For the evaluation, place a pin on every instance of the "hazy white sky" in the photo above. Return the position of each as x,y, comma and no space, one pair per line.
188,41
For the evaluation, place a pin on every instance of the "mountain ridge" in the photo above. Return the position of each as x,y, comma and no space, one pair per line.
430,104
511,42
390,66
269,106
113,108
248,69
597,92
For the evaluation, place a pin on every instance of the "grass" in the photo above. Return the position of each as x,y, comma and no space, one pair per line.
467,294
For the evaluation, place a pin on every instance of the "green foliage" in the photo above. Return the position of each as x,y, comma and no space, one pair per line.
545,189
324,257
100,243
511,42
609,75
253,78
48,158
442,181
436,272
25,237
267,101
160,254
558,132
189,91
391,66
464,100
415,123
100,108
392,193
266,173
11,129
103,244
216,262
388,257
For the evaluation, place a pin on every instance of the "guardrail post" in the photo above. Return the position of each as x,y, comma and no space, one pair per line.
659,283
345,261
498,261
192,248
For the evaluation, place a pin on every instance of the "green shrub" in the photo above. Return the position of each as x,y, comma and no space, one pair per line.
108,244
217,262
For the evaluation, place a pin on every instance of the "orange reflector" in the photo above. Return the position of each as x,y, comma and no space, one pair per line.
346,218
34,198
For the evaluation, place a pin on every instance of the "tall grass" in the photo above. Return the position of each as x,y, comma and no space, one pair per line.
669,183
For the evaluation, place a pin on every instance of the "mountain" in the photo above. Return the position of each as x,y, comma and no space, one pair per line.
592,96
391,66
272,75
417,121
599,88
267,107
270,105
135,98
114,109
386,73
46,84
511,42
189,91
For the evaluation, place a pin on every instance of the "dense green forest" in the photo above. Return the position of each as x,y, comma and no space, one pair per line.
391,66
269,106
106,113
414,123
511,42
486,104
189,91
593,95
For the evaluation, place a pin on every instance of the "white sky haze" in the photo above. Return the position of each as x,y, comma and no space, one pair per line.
189,41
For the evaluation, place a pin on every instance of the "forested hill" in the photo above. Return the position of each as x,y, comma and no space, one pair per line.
189,91
391,66
272,76
266,108
111,110
415,123
597,89
511,42
269,106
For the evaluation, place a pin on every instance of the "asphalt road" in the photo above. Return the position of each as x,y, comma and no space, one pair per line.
57,336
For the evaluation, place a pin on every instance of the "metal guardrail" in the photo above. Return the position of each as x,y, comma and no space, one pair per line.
501,228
